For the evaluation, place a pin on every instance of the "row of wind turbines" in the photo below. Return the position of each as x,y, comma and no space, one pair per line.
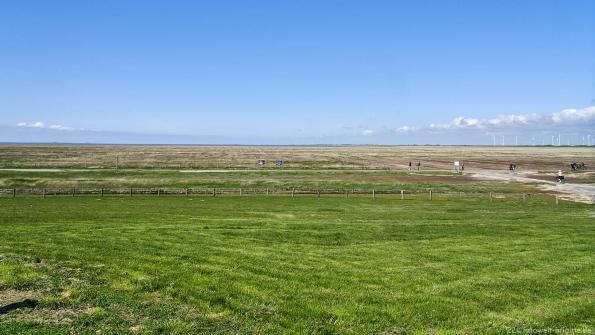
556,140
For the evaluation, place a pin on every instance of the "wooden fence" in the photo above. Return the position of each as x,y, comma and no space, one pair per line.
293,192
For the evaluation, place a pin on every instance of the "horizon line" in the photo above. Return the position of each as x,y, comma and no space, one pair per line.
288,145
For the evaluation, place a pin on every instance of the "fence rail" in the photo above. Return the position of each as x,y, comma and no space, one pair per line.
292,192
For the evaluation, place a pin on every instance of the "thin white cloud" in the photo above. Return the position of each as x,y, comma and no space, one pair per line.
514,120
41,125
573,115
581,117
60,127
458,123
406,129
37,124
367,132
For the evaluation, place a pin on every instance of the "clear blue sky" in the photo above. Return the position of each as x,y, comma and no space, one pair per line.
294,72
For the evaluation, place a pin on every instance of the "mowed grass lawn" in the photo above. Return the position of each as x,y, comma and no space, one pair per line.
272,265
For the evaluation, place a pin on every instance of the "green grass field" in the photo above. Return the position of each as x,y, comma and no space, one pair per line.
437,180
333,265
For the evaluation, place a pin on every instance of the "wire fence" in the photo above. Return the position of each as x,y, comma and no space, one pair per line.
292,192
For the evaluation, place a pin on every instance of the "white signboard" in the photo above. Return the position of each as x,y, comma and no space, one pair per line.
457,163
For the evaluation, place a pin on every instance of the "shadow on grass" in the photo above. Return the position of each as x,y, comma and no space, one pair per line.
27,303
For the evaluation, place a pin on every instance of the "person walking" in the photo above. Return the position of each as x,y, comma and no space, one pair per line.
409,166
560,177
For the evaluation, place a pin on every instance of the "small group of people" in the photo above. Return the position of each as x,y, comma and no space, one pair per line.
574,166
418,166
577,166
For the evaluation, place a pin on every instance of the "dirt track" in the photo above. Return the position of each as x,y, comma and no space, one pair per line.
575,192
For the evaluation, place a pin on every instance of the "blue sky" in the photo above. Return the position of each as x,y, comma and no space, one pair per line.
297,72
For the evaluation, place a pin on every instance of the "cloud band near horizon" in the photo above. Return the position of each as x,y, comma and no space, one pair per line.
462,130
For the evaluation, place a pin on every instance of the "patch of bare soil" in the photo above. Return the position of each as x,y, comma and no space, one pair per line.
60,315
24,305
583,177
13,296
577,178
37,314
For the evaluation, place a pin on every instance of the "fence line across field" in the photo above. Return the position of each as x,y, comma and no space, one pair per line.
292,192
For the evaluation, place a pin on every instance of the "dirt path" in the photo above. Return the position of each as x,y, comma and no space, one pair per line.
33,170
432,172
575,192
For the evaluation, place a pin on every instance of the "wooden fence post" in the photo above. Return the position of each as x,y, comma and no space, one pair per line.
557,200
292,192
102,191
430,194
214,191
131,191
267,191
158,192
402,195
347,193
490,196
240,192
319,193
373,193
44,192
186,191
14,192
73,191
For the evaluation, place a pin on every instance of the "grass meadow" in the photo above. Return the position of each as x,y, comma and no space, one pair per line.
272,265
275,179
